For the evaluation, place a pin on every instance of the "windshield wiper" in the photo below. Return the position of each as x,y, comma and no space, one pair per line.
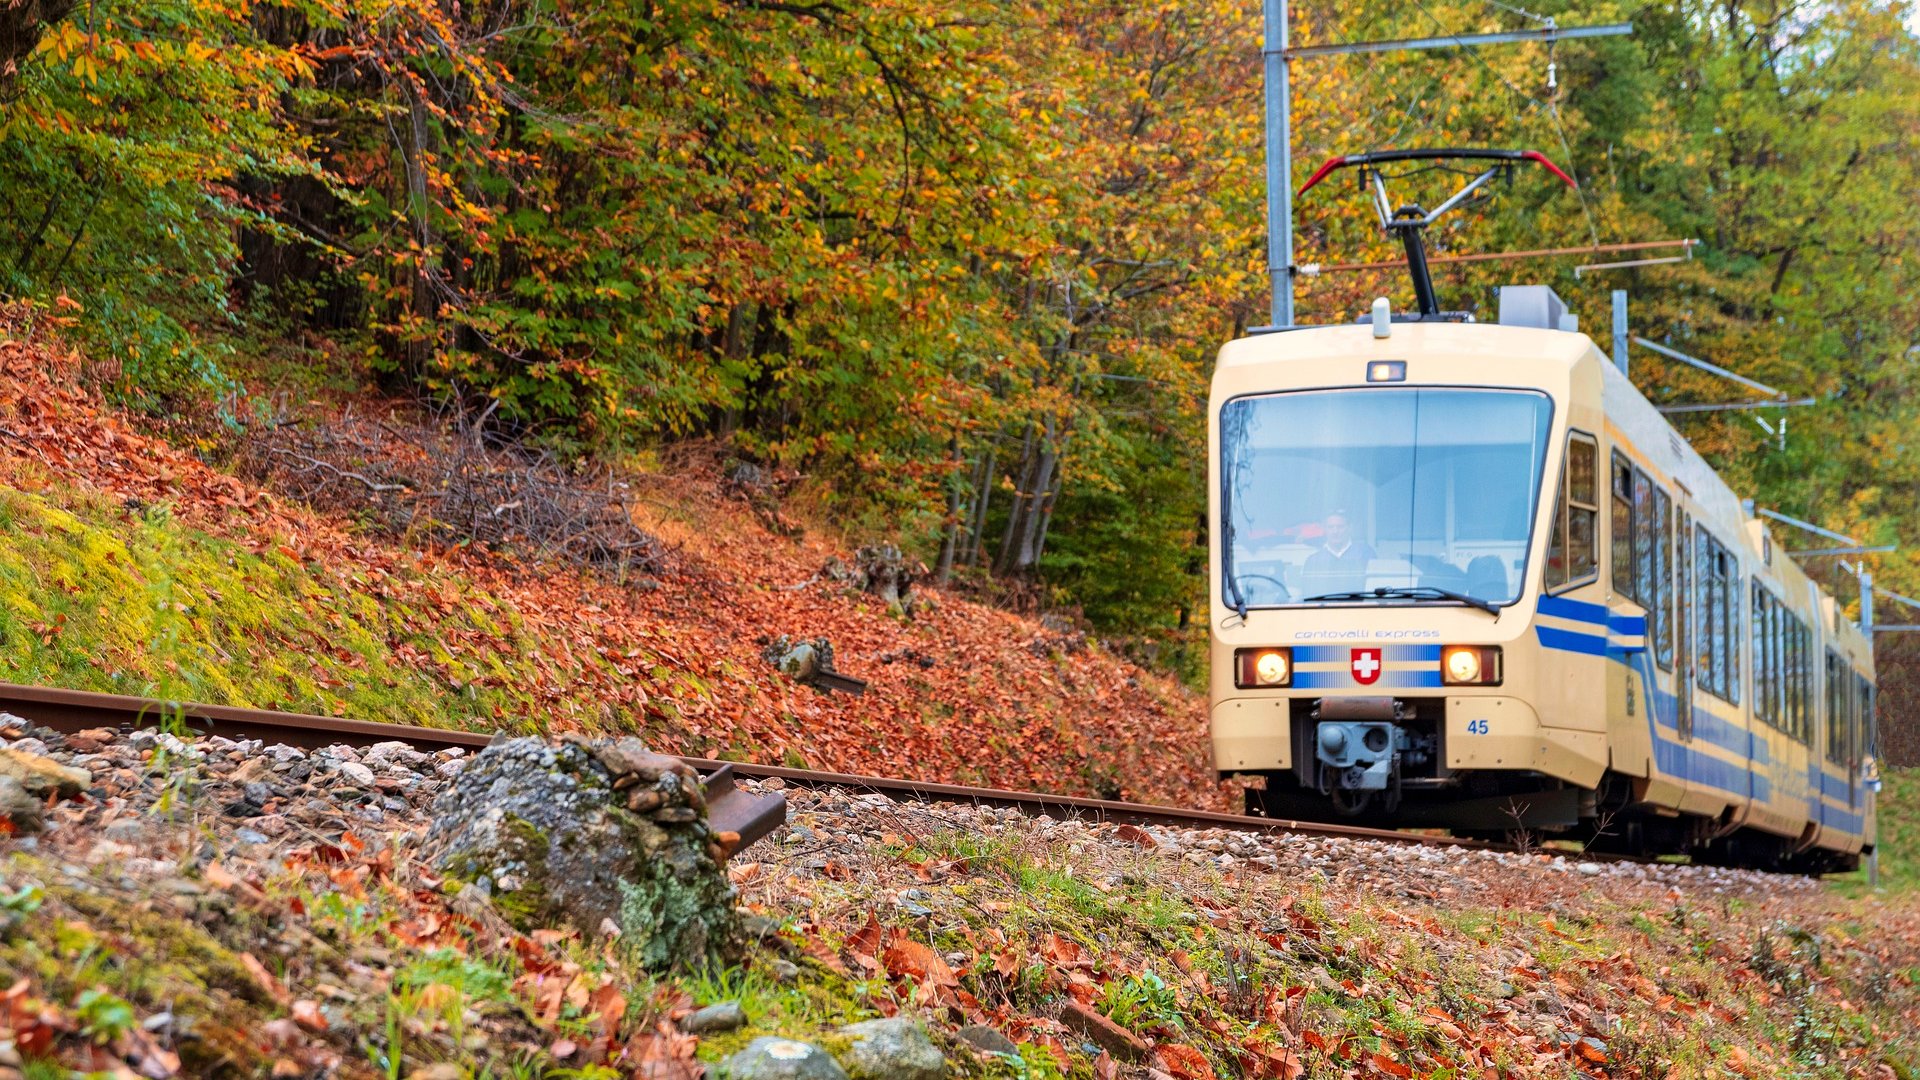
1226,564
1408,592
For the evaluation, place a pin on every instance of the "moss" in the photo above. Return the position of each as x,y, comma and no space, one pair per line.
679,912
151,956
95,597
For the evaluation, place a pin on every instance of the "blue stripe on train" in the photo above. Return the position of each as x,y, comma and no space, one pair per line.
1328,654
1676,758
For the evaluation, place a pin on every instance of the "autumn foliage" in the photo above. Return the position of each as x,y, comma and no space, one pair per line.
459,635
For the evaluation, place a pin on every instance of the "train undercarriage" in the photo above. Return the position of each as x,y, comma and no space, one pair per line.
1380,762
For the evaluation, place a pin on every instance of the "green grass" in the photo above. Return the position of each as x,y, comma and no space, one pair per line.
99,596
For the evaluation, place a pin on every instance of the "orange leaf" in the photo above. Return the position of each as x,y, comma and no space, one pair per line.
1185,1062
1389,1066
909,958
264,978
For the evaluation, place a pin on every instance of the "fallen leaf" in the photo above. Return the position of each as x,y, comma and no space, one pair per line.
307,1014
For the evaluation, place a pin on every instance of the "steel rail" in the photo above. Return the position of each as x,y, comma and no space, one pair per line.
70,711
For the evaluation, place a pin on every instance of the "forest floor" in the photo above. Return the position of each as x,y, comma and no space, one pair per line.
216,909
223,909
130,565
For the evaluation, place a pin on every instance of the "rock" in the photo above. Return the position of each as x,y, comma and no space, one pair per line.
802,661
40,776
20,810
251,771
549,821
987,1040
724,1016
354,771
124,830
1588,868
381,755
769,1058
784,970
892,1049
883,571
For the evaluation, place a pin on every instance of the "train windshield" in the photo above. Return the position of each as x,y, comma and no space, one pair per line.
1334,492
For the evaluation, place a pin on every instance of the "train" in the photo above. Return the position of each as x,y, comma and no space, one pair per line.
1466,576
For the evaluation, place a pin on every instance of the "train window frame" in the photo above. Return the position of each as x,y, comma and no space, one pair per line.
1620,535
1563,535
1663,580
1803,681
1644,562
1760,612
1718,587
1225,493
1834,727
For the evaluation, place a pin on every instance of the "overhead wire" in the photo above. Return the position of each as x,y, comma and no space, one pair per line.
1552,109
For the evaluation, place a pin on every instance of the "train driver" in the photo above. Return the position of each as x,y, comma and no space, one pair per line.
1340,563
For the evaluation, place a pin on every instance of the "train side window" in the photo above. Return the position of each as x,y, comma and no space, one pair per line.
1802,681
1836,718
1777,662
1622,538
1571,556
1716,593
1869,736
1736,644
1660,615
1583,507
1643,591
1762,669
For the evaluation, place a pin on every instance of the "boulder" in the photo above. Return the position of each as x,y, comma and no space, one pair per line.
892,1049
770,1058
884,572
802,660
43,776
592,834
987,1040
725,1016
20,812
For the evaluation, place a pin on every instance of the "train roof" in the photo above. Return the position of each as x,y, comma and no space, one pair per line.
1637,420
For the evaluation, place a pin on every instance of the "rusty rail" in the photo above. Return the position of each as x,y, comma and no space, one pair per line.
729,807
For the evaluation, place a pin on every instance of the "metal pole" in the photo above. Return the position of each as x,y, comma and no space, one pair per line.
1866,726
1279,161
1620,329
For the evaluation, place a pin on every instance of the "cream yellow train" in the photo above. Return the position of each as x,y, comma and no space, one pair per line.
1464,575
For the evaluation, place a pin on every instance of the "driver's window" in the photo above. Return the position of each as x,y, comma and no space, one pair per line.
1572,552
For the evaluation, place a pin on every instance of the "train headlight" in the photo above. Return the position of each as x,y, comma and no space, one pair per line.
1262,668
1470,665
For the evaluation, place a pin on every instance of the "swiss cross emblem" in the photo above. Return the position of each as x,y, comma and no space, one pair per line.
1366,666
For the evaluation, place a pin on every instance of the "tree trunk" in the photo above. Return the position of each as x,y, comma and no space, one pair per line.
943,569
1046,515
983,478
413,154
1022,484
1017,554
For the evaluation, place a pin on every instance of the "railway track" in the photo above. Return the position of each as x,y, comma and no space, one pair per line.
752,815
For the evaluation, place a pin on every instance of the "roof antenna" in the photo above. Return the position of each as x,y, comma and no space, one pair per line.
1382,317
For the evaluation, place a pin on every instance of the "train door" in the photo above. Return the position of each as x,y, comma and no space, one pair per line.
1684,625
